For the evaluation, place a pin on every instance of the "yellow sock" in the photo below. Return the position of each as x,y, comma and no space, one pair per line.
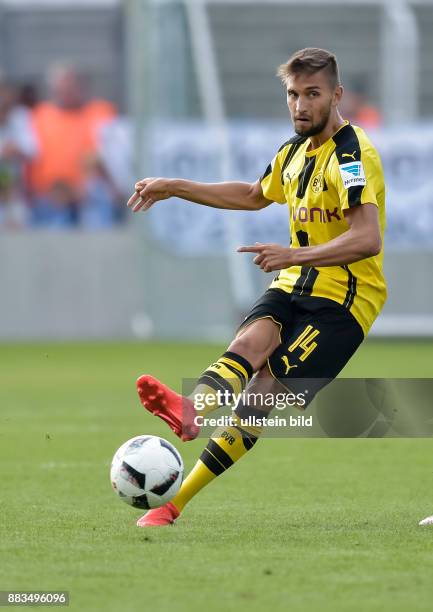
226,446
222,380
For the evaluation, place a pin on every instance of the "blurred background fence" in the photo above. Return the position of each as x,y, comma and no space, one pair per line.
96,94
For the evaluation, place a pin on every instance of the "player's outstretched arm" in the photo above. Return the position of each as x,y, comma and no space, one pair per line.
360,241
229,196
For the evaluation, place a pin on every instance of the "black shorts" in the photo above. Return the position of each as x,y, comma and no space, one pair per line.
318,337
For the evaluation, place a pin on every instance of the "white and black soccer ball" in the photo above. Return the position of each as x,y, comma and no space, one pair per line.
146,472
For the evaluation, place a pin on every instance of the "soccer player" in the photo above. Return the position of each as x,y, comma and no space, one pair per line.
329,286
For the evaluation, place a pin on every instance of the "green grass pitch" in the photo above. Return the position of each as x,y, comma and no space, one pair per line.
298,524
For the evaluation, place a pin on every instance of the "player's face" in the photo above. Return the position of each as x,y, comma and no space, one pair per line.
311,99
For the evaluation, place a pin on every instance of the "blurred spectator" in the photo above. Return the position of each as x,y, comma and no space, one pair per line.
98,206
57,208
355,107
17,140
14,213
66,127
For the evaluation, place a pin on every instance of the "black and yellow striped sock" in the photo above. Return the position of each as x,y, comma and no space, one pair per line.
226,446
226,378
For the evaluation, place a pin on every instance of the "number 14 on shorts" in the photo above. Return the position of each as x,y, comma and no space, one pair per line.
305,341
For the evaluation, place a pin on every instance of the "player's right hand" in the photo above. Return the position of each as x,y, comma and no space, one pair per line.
147,192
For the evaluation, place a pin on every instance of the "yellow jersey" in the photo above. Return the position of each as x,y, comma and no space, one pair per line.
319,185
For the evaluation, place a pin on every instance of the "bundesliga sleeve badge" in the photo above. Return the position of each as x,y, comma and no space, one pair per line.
352,174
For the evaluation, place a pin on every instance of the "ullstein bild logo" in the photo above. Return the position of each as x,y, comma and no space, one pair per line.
352,174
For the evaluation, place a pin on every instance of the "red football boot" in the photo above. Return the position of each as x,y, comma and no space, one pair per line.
177,411
159,517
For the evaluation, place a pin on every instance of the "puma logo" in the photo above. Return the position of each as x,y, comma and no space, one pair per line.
352,155
285,360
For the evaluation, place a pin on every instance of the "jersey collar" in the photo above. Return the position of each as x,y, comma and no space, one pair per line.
314,152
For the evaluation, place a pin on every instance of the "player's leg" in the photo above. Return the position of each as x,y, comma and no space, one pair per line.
316,346
257,338
224,448
230,374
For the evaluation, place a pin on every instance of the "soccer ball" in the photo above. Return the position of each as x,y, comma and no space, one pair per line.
146,472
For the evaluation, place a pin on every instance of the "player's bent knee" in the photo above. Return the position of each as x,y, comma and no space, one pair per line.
256,342
245,348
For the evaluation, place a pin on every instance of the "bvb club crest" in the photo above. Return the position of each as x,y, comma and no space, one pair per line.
317,183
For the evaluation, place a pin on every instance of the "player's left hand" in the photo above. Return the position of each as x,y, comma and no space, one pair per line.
270,257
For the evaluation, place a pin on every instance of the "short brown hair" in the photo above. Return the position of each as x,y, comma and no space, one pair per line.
309,61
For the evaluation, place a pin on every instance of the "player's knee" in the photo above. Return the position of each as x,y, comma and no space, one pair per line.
254,349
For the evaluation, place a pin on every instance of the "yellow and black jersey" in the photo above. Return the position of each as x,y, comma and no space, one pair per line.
318,186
